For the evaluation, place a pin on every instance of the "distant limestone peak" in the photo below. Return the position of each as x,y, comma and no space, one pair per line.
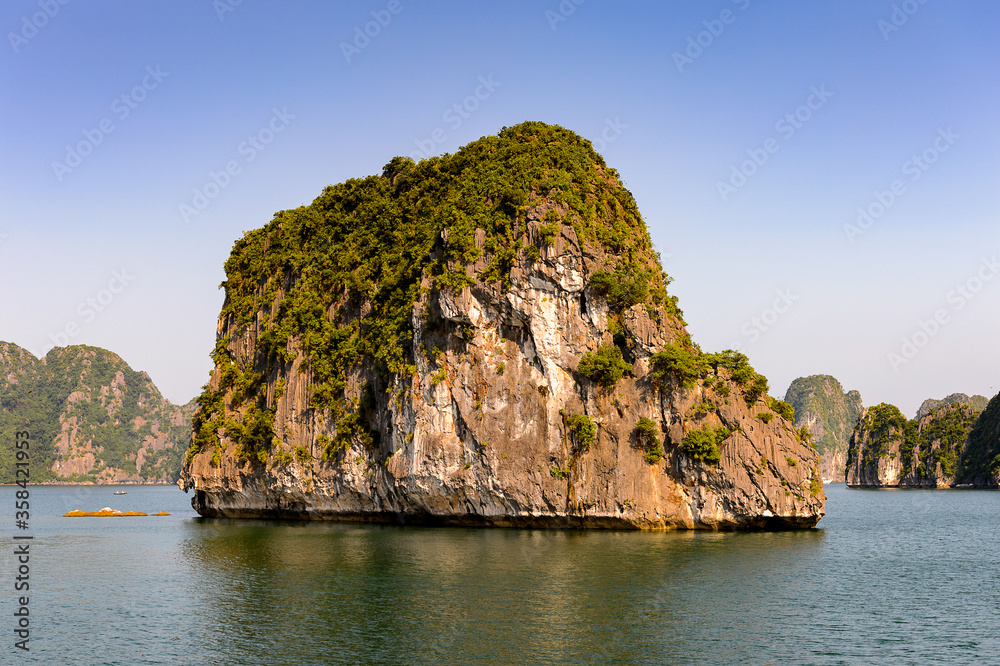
830,414
977,402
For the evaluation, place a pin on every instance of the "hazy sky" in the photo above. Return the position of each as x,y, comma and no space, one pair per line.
821,178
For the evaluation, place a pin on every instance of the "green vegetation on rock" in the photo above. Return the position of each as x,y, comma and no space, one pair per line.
939,447
703,444
980,461
688,364
942,438
781,408
883,424
647,433
97,405
605,366
683,363
582,430
339,280
829,413
977,402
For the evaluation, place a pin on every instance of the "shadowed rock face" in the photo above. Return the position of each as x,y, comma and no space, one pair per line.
479,426
830,414
933,451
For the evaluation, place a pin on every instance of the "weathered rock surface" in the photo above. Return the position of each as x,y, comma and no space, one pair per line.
92,419
829,413
977,402
477,429
933,451
980,462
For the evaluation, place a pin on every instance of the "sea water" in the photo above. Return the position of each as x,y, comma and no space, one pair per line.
906,576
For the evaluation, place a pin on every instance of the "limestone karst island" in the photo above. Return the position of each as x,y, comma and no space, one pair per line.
483,338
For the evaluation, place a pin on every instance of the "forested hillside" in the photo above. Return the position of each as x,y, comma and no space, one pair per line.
91,418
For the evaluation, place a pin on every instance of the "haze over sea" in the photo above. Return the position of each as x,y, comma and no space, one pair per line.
889,576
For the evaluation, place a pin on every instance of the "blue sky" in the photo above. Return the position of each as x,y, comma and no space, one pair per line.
750,133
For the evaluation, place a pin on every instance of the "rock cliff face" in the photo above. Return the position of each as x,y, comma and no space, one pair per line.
980,462
483,338
887,450
977,402
91,417
829,414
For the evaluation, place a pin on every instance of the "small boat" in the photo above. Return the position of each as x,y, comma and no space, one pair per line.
121,492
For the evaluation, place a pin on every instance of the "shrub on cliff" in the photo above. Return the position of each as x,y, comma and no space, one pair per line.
548,231
689,365
646,432
704,444
781,408
751,383
685,364
582,430
621,290
605,366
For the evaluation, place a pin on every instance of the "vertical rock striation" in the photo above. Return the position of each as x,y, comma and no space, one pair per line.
951,445
829,414
483,338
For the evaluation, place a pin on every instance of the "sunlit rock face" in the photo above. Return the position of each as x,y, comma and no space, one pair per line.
479,419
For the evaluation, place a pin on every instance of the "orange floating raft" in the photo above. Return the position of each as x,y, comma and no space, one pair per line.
108,512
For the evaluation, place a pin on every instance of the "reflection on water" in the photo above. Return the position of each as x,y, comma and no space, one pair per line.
450,595
904,577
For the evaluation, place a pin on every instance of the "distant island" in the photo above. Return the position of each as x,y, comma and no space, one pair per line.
829,414
91,417
483,338
947,445
950,442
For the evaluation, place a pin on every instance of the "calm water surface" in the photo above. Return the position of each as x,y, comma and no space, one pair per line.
907,577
